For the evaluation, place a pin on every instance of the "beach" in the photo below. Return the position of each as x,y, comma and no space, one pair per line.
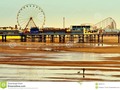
101,58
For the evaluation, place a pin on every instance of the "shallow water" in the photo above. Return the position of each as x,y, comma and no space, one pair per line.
64,56
47,73
73,56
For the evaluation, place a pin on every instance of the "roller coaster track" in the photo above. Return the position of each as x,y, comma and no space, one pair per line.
108,23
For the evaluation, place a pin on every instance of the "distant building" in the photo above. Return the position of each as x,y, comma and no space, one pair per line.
83,29
54,30
111,31
9,31
9,28
79,29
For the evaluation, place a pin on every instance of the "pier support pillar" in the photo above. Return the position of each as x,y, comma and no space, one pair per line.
44,38
80,38
91,38
83,38
59,38
23,38
4,39
52,38
102,38
33,38
40,38
87,38
98,38
119,38
63,38
94,38
71,38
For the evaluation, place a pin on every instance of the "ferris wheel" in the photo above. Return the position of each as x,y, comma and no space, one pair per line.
29,16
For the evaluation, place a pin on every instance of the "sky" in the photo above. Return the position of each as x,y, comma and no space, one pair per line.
76,12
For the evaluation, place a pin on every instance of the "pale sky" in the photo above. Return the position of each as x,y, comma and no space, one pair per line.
76,12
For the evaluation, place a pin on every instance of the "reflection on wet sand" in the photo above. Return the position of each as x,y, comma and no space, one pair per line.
46,62
54,73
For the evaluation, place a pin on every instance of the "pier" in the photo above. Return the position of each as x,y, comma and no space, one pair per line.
62,38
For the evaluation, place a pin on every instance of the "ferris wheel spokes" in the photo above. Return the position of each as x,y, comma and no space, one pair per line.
30,16
31,21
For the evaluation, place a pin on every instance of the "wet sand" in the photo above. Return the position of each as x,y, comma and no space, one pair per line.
96,49
18,60
109,63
